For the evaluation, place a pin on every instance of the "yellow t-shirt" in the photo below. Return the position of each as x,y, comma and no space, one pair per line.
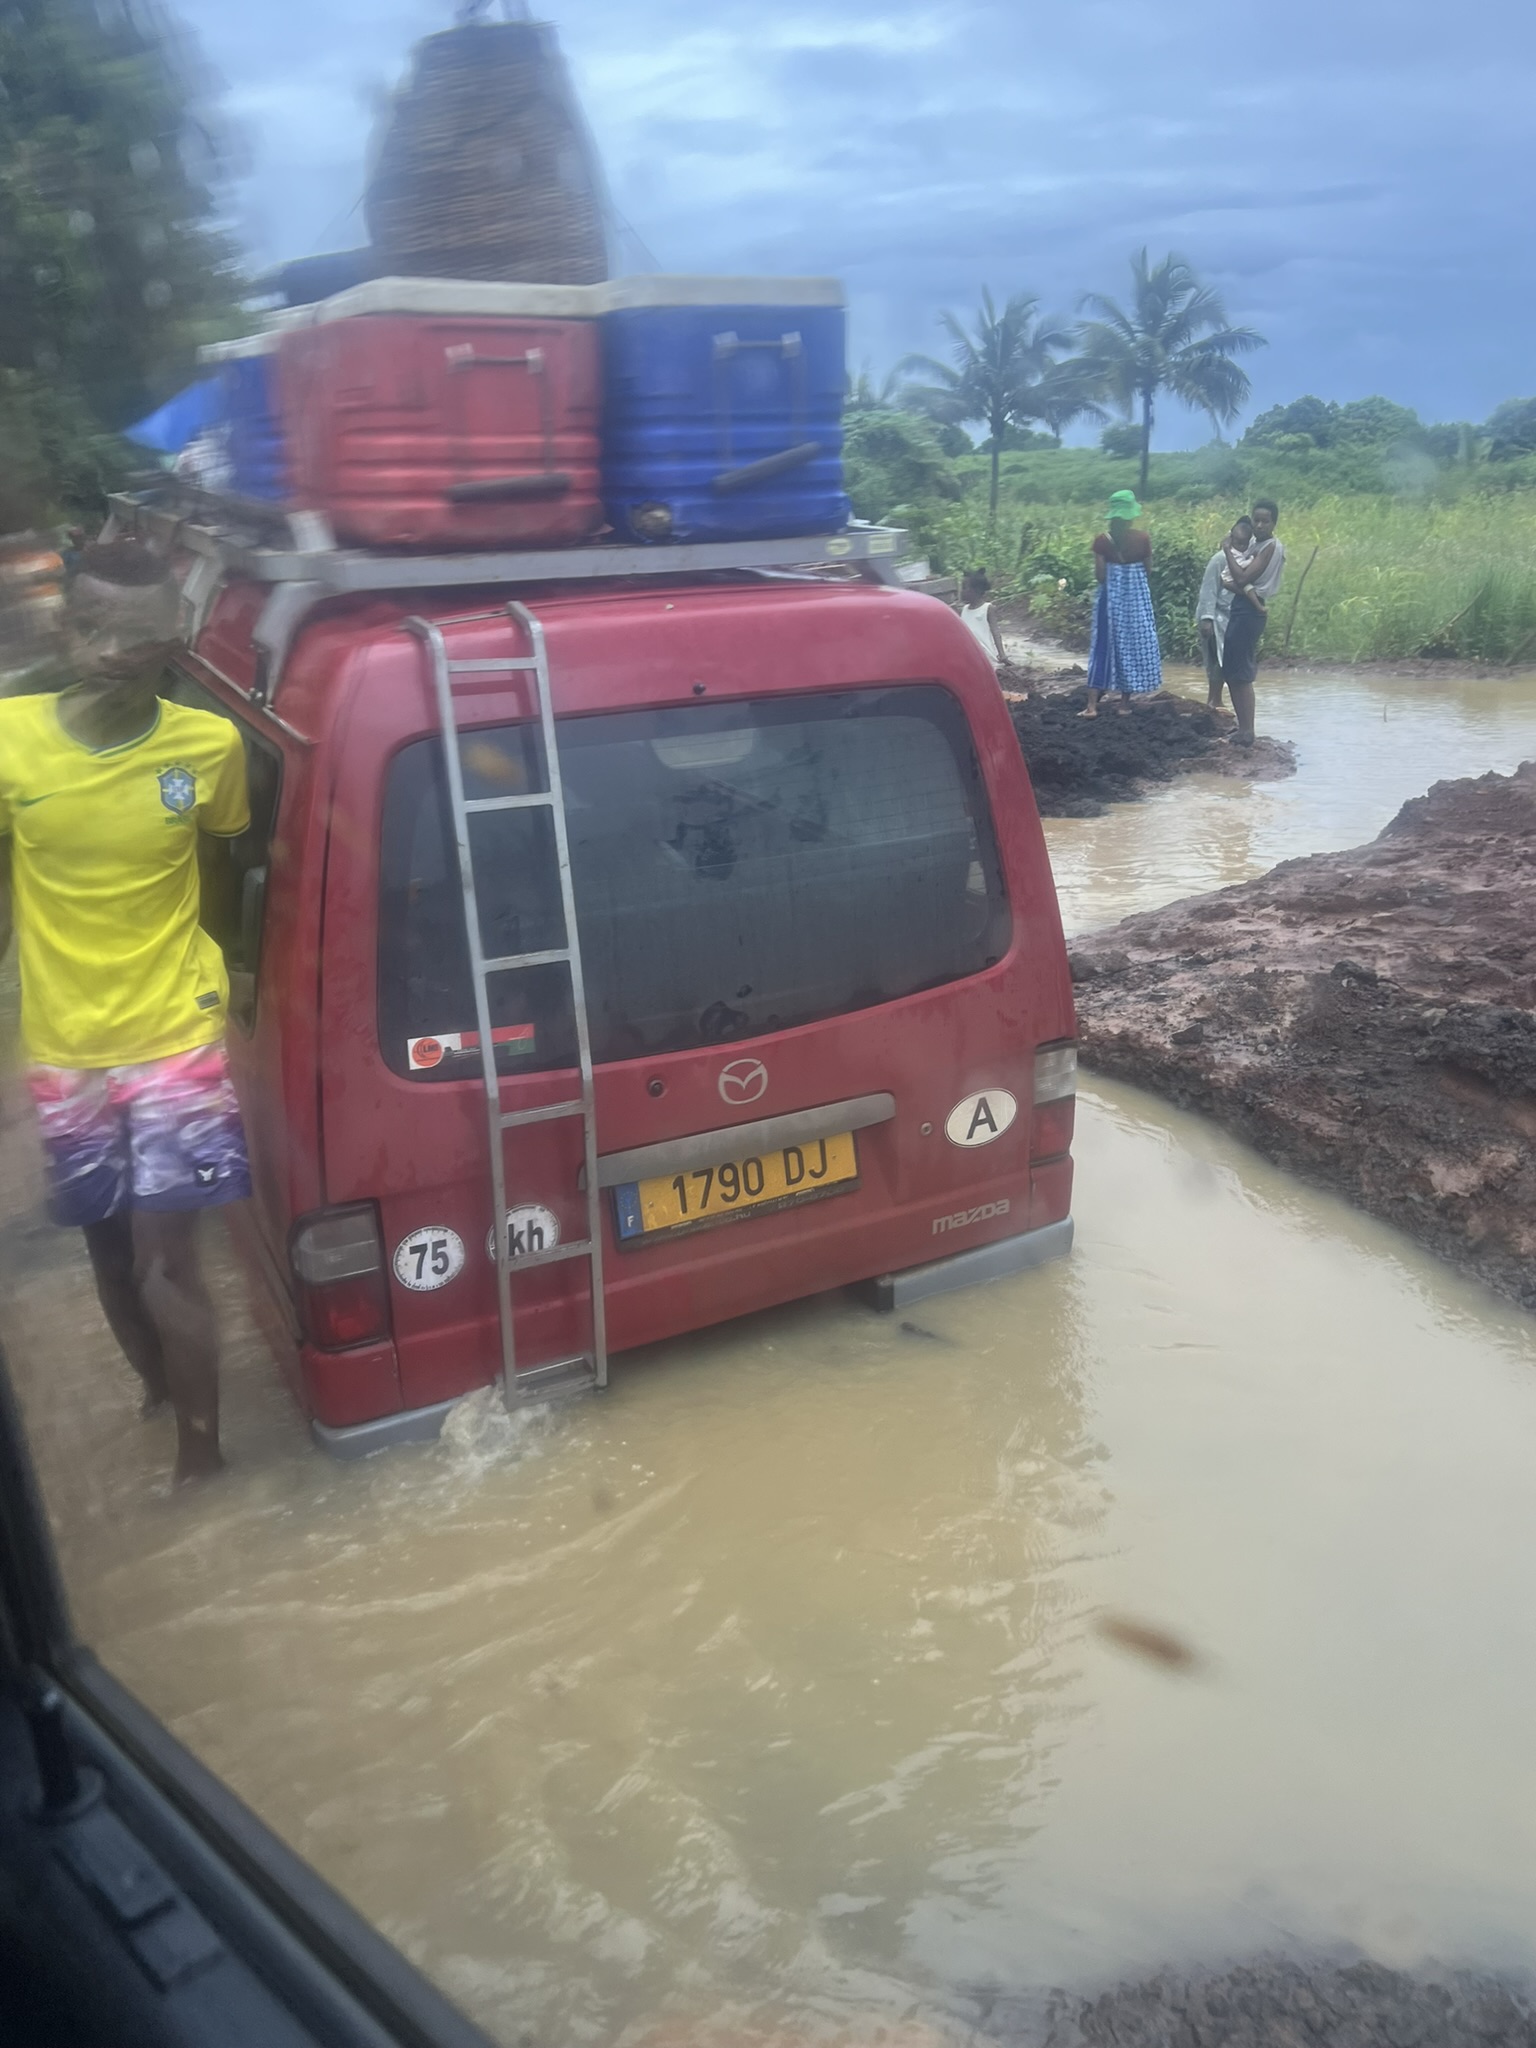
104,878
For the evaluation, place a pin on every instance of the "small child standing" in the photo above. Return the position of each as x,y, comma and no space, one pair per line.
979,617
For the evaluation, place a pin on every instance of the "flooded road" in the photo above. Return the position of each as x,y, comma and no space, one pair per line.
774,1688
1364,744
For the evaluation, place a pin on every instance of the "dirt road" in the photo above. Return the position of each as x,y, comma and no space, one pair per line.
1367,1019
1079,765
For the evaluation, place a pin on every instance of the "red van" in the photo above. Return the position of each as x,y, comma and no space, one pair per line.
827,1022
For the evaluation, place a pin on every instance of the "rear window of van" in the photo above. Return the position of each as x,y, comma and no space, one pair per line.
739,868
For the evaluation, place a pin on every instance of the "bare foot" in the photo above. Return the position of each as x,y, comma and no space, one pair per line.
1089,713
196,1471
197,1451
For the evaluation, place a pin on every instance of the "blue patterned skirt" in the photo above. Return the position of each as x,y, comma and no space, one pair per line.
1124,654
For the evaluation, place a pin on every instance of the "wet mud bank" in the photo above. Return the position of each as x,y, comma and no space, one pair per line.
1285,2004
1079,766
1366,1019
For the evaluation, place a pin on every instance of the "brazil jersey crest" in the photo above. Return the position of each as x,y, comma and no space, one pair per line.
178,789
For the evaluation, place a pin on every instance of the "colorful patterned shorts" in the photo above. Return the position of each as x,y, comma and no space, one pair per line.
162,1135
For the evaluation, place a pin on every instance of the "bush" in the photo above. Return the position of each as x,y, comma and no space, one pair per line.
1511,429
55,455
1122,441
1319,423
1179,557
1304,423
1064,615
1056,573
891,459
960,537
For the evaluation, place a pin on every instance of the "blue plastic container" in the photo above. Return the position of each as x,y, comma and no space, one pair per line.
253,435
722,407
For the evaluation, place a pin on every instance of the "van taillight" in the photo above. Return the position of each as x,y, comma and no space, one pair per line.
1050,1131
338,1261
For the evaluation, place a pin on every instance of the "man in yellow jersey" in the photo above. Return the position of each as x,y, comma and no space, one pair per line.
105,790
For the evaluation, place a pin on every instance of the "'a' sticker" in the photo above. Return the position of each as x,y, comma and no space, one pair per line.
980,1118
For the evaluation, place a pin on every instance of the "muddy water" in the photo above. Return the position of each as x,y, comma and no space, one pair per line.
1363,745
775,1688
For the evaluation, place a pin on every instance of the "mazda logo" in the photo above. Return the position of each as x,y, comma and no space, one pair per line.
743,1081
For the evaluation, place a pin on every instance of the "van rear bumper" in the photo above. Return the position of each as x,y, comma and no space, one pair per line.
969,1269
362,1439
887,1291
425,1425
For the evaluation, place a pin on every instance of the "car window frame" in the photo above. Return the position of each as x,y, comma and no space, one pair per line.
295,1943
244,980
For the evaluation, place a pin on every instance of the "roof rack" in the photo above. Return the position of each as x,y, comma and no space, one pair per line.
296,553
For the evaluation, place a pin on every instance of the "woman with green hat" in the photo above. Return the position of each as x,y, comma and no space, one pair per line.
1123,658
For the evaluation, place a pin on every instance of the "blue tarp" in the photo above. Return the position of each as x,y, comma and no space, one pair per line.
180,420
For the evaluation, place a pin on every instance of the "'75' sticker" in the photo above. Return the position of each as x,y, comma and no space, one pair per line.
429,1258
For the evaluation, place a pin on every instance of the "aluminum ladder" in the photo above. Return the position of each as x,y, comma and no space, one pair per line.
563,1373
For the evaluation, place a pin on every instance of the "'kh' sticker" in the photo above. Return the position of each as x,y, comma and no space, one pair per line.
429,1258
422,1053
980,1118
531,1228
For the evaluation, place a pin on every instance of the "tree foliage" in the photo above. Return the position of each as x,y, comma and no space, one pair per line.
869,393
1024,437
1511,429
1320,423
1011,369
111,271
1174,336
1122,440
893,459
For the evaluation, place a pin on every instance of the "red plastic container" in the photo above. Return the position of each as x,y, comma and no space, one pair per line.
423,413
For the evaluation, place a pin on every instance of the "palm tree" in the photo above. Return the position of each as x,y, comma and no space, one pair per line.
1175,337
1005,373
1070,390
866,394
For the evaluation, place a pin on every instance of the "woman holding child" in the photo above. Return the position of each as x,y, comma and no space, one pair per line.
1123,659
1252,575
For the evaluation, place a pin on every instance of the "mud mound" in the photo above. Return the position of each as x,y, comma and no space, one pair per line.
1282,2004
1080,765
1366,1018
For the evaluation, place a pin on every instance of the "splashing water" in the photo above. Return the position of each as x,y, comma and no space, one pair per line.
481,1431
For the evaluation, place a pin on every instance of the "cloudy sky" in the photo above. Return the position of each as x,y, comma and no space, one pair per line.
1355,176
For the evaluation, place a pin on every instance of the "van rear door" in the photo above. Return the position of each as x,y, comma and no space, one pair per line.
789,899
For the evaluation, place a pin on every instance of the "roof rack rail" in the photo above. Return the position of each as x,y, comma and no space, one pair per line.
296,553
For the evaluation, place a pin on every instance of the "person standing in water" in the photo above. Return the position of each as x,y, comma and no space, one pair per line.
1214,606
1255,579
106,793
979,615
1124,659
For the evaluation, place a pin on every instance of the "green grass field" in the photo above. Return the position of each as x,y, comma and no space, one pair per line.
1415,554
1394,575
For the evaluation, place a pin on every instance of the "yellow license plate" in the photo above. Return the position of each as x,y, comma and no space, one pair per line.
710,1194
